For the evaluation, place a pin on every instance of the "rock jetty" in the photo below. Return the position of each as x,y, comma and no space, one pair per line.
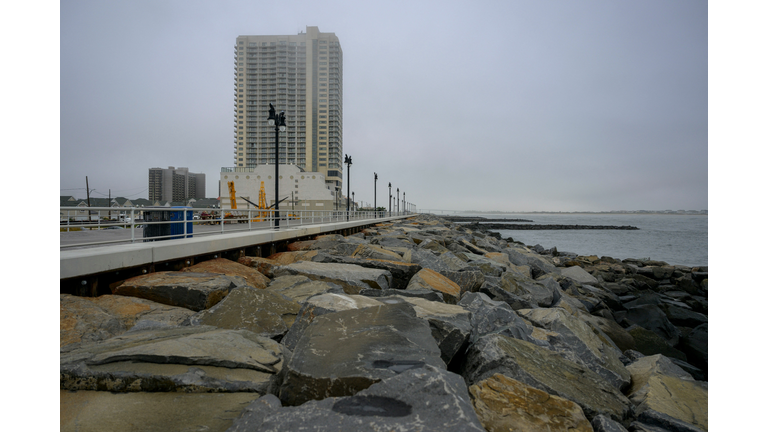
417,325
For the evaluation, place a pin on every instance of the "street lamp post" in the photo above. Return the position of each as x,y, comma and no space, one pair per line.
405,209
353,201
278,121
398,201
348,161
375,210
390,198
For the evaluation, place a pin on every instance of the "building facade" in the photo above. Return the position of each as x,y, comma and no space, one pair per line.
298,189
175,184
302,76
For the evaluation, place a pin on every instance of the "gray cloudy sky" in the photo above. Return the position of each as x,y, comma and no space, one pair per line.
489,105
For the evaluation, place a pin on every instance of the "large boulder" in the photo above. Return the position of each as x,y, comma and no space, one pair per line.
578,274
286,258
695,345
300,288
260,311
664,394
505,404
402,272
432,280
344,352
650,343
352,278
522,256
367,251
469,279
188,359
92,319
264,266
231,268
578,342
489,316
540,293
652,318
195,291
98,411
545,370
450,324
419,399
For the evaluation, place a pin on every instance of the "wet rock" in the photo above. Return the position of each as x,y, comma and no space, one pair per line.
695,345
650,343
195,291
505,404
344,352
652,318
424,399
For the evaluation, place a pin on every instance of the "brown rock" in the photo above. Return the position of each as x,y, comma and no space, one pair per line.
264,266
433,280
505,404
227,267
300,245
91,319
285,258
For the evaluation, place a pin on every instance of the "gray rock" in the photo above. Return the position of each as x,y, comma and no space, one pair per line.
652,318
496,293
190,359
420,399
469,280
342,353
539,293
602,423
578,274
546,370
402,272
195,291
522,256
577,342
450,324
489,316
695,345
352,278
427,259
301,288
426,294
260,311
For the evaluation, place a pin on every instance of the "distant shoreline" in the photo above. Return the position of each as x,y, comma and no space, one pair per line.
639,212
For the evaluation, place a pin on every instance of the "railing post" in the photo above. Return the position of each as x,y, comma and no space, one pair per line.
133,226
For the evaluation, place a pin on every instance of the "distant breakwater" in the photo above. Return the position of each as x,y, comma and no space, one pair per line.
504,226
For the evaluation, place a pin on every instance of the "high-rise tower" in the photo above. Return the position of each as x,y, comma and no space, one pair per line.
301,75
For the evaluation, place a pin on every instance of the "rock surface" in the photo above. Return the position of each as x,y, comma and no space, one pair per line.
389,329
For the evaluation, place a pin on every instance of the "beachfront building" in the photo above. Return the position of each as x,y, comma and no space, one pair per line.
175,184
302,76
298,189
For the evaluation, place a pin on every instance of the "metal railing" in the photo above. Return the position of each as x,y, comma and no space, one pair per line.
186,222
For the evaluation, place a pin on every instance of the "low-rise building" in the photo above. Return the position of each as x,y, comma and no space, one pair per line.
298,189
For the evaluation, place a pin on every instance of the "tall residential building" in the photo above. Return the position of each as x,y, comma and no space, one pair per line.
301,75
175,184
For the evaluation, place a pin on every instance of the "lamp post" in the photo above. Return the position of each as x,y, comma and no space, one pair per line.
278,121
390,198
398,201
348,161
353,201
405,208
375,210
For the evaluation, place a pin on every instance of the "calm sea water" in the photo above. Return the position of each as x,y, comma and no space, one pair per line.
675,239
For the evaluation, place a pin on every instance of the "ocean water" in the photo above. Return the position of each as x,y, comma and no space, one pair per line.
675,239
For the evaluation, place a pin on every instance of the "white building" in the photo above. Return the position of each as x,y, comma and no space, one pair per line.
301,190
301,75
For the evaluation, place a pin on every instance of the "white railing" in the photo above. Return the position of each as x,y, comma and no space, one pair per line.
139,224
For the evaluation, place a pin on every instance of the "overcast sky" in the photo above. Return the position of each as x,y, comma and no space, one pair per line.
489,105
